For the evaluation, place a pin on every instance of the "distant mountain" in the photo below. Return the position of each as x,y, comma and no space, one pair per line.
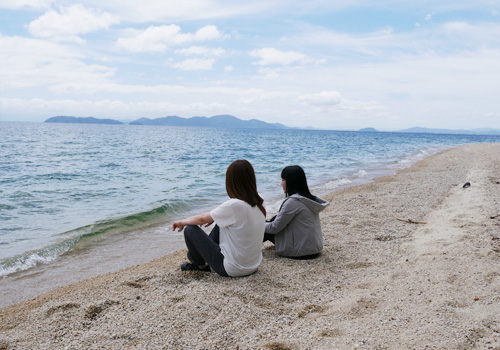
419,130
217,121
77,120
368,130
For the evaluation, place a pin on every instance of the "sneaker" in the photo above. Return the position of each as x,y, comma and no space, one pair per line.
193,267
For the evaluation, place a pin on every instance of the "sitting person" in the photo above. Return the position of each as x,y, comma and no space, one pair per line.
296,229
234,247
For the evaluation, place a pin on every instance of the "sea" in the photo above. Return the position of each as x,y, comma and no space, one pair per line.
80,200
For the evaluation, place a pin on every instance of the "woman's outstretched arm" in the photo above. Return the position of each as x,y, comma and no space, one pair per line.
200,219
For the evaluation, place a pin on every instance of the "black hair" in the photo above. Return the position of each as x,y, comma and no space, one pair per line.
296,181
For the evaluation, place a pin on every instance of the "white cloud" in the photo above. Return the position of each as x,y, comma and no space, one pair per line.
153,39
272,56
172,11
268,73
91,88
457,27
341,44
328,101
259,96
322,99
428,17
388,45
492,115
105,108
159,38
70,22
195,64
38,63
466,36
205,33
201,51
18,4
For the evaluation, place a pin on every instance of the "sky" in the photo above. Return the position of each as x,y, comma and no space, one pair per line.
341,65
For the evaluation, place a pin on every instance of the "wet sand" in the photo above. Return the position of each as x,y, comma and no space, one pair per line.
411,261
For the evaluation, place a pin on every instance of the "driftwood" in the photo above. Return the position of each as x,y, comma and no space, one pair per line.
410,221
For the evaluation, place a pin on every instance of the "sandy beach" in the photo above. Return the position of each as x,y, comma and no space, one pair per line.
411,261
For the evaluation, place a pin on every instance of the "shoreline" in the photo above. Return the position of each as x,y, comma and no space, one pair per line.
380,283
112,254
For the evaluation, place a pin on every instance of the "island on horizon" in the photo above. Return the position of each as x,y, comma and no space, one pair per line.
79,120
232,122
217,121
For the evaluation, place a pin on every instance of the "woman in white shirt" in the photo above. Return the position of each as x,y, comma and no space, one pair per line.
234,246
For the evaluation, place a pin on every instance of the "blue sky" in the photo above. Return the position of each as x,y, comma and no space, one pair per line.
328,64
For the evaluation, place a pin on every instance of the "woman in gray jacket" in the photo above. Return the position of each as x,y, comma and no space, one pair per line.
296,229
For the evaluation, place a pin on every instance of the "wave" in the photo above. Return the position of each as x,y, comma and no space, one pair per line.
82,237
377,169
422,153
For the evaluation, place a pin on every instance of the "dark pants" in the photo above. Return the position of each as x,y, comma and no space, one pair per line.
269,237
203,249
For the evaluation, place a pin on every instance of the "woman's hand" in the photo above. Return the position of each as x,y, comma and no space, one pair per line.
179,225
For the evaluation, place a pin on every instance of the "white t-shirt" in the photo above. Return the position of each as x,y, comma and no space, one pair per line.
241,233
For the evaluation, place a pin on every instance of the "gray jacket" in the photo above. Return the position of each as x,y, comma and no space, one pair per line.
297,226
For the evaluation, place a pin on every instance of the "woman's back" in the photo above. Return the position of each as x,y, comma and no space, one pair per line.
241,233
297,226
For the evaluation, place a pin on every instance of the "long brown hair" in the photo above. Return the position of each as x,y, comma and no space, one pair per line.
242,184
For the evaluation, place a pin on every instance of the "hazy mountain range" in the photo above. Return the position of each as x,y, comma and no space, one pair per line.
217,121
75,120
229,121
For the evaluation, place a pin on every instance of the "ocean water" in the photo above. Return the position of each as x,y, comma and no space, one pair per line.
79,200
